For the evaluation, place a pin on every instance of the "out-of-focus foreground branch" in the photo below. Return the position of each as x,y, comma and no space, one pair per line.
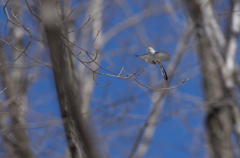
16,142
67,87
222,111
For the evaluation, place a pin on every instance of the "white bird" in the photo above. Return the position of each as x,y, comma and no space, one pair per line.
153,57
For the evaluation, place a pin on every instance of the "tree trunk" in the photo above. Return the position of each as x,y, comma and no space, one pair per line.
210,43
67,87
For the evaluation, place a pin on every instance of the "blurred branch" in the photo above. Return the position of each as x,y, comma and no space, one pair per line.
210,43
132,76
67,88
13,96
141,33
132,20
232,42
137,18
3,90
16,104
16,24
29,8
230,60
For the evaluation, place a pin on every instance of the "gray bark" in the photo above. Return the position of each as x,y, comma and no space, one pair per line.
219,93
16,141
67,87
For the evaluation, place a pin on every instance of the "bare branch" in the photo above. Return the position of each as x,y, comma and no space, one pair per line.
157,89
121,71
18,49
67,16
98,84
80,26
3,90
29,8
94,40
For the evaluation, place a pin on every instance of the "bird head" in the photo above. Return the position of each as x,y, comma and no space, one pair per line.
151,50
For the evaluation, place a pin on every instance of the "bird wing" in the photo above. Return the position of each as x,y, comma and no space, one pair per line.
163,56
145,58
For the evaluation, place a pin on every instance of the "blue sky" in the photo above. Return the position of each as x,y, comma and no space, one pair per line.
180,131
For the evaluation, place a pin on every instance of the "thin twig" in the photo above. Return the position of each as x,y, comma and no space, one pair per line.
30,27
68,16
18,25
3,90
14,97
33,12
80,26
105,69
6,30
98,84
95,58
121,71
162,87
23,51
37,61
37,2
79,53
18,49
96,71
93,40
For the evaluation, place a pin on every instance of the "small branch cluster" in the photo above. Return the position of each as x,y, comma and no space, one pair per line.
64,39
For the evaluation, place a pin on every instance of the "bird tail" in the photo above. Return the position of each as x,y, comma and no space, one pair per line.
163,71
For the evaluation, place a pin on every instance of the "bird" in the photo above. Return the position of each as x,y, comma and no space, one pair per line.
153,57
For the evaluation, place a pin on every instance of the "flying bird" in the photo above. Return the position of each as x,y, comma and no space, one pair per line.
153,57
